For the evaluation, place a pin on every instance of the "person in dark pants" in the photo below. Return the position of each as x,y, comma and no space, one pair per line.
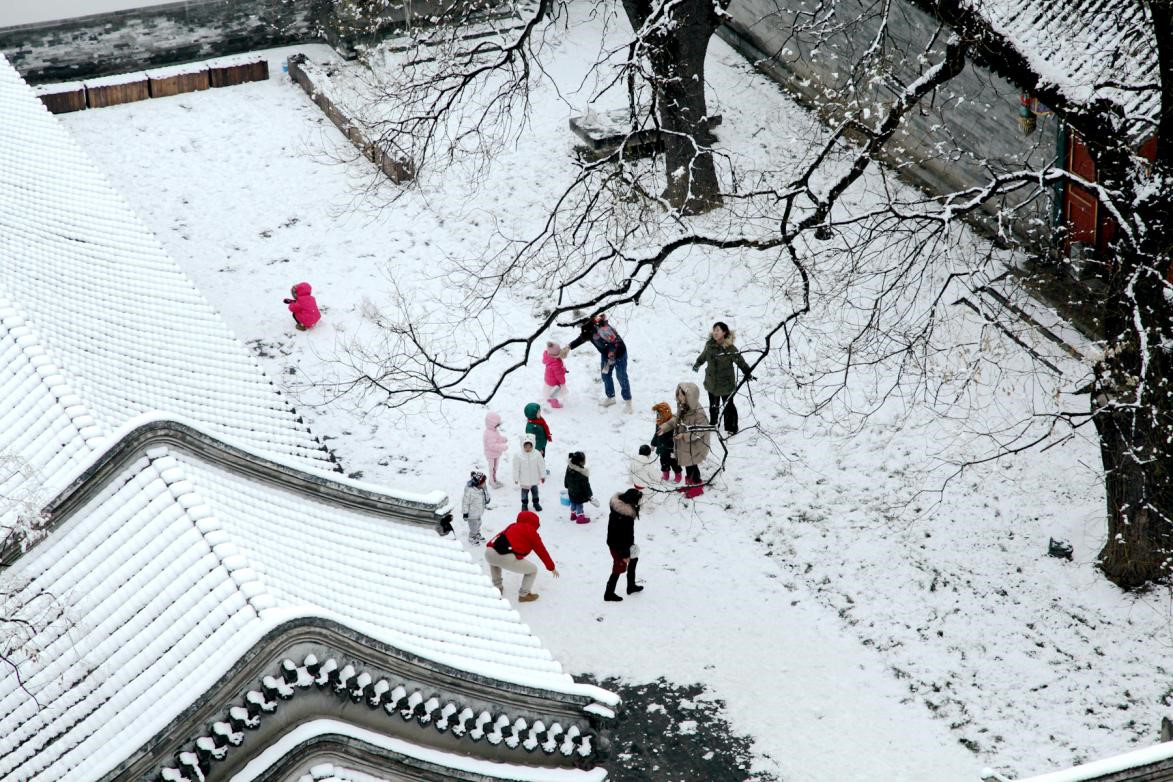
612,357
719,356
664,444
621,542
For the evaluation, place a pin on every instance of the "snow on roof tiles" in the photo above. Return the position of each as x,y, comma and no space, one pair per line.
178,566
401,583
106,305
45,430
1087,48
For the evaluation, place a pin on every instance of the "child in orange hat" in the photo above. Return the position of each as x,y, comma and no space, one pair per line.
664,444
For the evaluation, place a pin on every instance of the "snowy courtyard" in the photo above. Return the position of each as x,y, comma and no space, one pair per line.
859,615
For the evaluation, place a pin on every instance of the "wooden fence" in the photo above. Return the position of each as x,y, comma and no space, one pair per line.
159,83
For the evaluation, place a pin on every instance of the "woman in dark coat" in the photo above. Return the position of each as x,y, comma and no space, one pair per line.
720,354
621,541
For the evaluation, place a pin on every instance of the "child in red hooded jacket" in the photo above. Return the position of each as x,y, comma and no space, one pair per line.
303,306
507,550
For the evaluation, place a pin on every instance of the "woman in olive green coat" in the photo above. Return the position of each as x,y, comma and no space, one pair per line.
720,354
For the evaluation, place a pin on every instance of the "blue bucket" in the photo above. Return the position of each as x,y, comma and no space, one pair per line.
564,498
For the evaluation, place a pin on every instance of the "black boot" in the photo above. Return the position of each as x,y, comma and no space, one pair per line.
632,587
610,596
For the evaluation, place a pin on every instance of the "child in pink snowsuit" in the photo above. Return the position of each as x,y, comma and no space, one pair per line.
495,445
555,373
303,306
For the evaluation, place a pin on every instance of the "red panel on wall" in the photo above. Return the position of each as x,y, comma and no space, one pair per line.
1079,162
1079,211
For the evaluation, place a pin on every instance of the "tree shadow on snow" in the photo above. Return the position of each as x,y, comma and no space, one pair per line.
673,733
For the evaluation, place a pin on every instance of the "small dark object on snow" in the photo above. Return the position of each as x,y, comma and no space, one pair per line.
444,525
824,232
1059,548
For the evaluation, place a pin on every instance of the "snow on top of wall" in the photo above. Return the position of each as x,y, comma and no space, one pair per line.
177,567
1088,49
1113,765
116,79
97,297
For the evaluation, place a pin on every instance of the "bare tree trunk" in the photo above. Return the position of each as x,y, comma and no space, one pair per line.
1132,406
1138,481
676,47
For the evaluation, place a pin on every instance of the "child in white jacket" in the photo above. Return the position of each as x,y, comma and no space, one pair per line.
643,469
529,470
476,499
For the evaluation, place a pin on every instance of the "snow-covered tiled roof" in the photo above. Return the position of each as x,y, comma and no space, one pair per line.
1088,49
177,566
172,550
44,427
86,288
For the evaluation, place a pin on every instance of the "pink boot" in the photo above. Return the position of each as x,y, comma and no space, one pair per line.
678,476
664,476
553,402
573,516
582,519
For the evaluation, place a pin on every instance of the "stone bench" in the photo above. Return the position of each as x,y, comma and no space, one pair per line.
603,133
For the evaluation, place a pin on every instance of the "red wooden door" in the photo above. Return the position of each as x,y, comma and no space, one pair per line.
1080,208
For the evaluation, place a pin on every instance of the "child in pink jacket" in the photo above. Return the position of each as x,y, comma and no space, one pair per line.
555,373
303,306
495,445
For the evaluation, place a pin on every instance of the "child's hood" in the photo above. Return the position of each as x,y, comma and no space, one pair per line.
529,438
530,518
621,507
692,395
532,410
663,411
302,289
492,420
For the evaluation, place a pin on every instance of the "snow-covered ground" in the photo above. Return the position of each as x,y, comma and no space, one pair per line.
856,631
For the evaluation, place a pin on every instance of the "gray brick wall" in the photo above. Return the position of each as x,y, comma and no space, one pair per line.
157,35
950,143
